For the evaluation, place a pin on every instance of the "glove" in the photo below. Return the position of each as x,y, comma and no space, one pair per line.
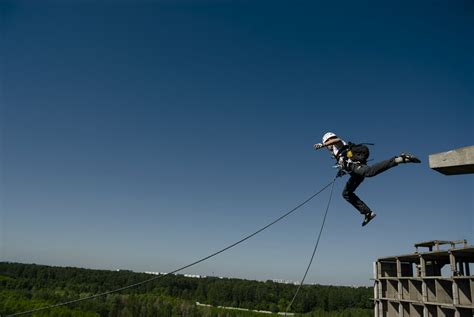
340,173
317,146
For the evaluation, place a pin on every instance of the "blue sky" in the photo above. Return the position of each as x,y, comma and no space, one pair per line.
145,135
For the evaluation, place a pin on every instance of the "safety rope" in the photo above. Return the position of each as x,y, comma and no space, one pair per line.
179,269
314,250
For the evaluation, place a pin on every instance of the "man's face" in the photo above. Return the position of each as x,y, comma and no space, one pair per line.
331,146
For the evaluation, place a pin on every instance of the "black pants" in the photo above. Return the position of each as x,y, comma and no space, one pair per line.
358,173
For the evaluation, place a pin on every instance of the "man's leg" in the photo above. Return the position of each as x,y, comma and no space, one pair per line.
380,167
375,169
348,194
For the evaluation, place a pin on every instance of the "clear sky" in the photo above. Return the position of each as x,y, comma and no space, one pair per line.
145,135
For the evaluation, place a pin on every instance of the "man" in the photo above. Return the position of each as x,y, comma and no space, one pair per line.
353,160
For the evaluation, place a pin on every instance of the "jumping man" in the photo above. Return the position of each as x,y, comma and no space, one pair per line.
352,159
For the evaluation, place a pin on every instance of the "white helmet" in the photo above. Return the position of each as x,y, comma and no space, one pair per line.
328,136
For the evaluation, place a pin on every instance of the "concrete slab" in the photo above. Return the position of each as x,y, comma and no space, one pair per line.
454,162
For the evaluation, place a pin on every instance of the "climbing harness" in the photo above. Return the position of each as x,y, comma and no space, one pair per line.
193,263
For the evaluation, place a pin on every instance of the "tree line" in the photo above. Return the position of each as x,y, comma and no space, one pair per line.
28,286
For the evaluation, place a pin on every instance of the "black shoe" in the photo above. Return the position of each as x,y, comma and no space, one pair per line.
408,158
371,215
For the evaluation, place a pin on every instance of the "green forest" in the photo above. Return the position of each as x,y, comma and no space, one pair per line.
28,286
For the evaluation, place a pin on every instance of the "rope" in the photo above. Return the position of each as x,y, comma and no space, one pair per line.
179,269
314,250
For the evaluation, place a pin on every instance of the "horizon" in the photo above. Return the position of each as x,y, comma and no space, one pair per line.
190,275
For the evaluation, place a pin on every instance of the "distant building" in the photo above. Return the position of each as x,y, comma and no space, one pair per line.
194,276
281,281
185,275
156,273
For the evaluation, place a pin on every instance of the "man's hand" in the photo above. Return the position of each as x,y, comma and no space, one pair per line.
317,146
340,173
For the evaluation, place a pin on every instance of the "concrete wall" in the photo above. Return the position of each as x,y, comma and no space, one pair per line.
454,162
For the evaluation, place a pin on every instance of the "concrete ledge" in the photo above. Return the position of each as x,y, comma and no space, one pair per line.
454,162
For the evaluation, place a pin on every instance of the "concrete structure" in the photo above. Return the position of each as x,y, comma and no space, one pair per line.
454,162
434,283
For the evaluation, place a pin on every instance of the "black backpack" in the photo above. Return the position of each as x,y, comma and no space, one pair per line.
358,153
